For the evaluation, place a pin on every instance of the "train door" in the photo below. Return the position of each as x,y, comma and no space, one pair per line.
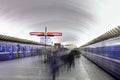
23,50
3,53
18,51
11,51
31,50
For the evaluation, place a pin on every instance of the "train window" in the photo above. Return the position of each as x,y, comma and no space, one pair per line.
7,48
11,48
1,47
18,47
4,48
31,48
21,48
25,48
28,48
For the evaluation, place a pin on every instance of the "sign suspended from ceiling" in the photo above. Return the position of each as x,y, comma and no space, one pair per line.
48,40
54,34
48,33
37,33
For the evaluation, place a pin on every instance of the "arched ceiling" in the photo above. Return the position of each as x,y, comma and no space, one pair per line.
78,20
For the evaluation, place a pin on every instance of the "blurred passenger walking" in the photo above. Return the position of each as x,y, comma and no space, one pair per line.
55,64
71,58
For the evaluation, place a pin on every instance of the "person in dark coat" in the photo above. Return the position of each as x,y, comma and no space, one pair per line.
54,64
71,58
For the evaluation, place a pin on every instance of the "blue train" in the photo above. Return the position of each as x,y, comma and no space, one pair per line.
105,54
12,48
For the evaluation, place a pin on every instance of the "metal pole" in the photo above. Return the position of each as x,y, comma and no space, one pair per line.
45,36
45,41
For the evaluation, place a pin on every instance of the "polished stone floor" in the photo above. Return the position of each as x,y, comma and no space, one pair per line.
33,68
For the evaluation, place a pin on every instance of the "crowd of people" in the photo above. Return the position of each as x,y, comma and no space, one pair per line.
56,60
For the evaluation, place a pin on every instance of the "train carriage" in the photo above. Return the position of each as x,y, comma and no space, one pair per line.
13,48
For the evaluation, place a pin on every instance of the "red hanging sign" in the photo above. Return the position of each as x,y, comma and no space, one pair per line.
37,33
54,34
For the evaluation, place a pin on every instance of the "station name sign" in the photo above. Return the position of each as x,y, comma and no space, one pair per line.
54,34
48,33
37,33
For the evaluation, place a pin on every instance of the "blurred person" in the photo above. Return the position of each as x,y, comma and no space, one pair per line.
54,63
71,58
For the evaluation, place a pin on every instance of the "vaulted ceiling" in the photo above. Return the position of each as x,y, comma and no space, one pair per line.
79,20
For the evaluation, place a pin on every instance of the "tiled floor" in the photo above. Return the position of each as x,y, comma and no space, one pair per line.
33,68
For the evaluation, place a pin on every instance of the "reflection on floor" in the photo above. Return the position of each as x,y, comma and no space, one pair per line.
33,68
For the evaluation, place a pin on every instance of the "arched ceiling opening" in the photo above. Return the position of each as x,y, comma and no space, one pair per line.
79,20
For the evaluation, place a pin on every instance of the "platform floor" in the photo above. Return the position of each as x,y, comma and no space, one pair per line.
33,68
